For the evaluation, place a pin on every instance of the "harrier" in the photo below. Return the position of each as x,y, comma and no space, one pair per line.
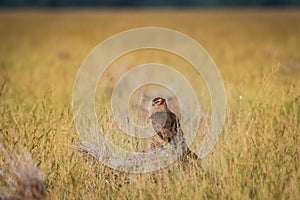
166,124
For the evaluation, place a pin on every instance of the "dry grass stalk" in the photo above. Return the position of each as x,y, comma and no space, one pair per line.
21,178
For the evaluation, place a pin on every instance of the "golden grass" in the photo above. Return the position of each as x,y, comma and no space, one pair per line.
257,53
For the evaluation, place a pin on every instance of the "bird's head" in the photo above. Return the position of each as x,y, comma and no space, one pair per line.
158,101
158,105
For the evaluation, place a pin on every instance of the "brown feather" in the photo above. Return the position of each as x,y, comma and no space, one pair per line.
166,124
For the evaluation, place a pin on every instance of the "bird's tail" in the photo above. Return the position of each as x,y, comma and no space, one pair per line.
191,154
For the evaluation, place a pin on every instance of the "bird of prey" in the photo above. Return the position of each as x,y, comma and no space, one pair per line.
167,126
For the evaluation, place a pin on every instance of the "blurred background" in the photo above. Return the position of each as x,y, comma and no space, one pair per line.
146,3
255,45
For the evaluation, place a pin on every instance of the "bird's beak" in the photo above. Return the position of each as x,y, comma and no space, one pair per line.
152,104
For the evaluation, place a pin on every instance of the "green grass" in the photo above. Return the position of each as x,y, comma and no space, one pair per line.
257,52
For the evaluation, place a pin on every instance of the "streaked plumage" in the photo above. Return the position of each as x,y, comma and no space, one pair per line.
166,124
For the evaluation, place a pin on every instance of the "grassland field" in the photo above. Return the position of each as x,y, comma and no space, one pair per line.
256,51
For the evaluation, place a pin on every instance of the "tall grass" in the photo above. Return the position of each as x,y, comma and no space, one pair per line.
21,177
257,156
